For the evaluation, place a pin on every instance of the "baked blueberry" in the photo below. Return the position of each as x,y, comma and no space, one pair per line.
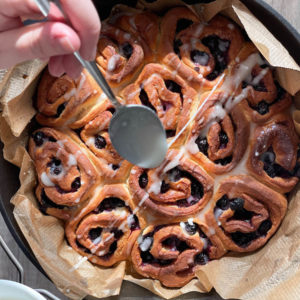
223,137
202,145
100,142
223,203
143,180
201,259
183,24
127,50
39,138
237,204
60,110
191,228
164,187
76,184
95,233
145,100
264,227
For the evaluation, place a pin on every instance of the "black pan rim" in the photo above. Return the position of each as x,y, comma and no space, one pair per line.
275,22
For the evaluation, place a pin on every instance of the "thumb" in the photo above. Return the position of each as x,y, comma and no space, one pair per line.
42,40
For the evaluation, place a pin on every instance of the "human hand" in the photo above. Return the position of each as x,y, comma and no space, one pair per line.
51,40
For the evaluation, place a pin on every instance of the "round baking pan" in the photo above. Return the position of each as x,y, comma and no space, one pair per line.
9,174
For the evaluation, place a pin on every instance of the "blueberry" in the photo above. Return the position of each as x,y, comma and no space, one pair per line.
135,225
76,184
95,233
115,167
202,145
183,24
262,107
177,44
55,166
100,142
264,227
223,203
145,100
182,203
117,233
200,57
243,239
143,180
113,247
173,86
270,170
201,259
197,189
164,187
219,49
175,175
110,203
39,138
147,257
191,228
268,157
170,133
243,215
127,50
60,110
223,139
237,204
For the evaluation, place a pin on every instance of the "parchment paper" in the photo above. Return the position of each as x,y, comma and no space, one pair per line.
270,273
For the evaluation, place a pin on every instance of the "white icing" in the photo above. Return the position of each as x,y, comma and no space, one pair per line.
97,240
130,220
146,244
112,62
190,221
197,112
127,36
46,180
101,98
72,160
90,141
81,261
205,243
218,212
230,26
133,171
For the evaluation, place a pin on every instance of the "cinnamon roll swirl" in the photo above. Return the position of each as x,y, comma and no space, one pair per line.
265,96
144,26
95,135
246,213
179,187
171,253
199,52
165,93
65,102
220,133
106,228
120,55
66,175
274,154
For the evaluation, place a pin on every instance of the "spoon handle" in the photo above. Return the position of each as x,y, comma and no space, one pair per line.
44,6
99,78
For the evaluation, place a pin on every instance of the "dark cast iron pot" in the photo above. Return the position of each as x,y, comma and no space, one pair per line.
9,174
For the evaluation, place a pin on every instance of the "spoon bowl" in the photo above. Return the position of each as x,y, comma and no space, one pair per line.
139,136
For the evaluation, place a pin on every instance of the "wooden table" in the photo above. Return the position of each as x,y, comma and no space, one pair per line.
291,11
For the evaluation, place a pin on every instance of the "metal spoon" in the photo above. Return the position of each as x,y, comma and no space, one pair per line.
135,130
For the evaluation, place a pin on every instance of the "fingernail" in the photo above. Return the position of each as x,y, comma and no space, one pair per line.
66,43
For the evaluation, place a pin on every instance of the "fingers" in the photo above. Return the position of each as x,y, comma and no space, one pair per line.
37,41
85,20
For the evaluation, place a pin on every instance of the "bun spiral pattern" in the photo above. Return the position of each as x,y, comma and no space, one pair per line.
65,173
233,149
171,253
106,229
